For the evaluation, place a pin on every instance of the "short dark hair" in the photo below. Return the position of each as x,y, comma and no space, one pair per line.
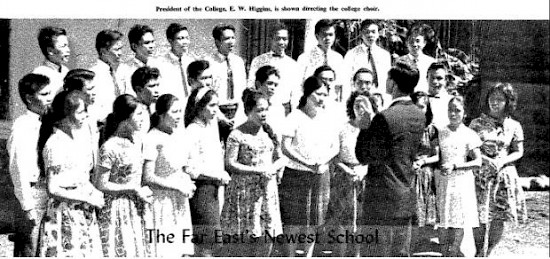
264,72
437,65
321,24
362,70
31,84
195,68
217,32
136,32
106,39
278,27
173,29
144,75
405,75
46,37
77,78
365,23
322,69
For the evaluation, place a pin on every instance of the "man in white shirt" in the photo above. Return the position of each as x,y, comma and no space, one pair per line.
437,93
29,183
288,69
370,56
142,43
175,61
229,74
107,77
320,55
54,44
145,83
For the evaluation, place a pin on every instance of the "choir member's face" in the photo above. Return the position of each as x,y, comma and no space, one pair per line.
269,86
146,46
363,82
280,42
436,81
422,103
59,53
326,37
150,92
174,116
226,43
42,100
139,121
181,41
90,90
327,77
208,113
497,103
258,115
456,112
317,98
416,44
80,116
114,53
370,34
205,79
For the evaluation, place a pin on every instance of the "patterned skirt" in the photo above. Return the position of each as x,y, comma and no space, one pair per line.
251,206
425,196
499,194
121,226
69,229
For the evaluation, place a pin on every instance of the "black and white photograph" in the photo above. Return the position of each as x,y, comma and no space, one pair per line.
336,135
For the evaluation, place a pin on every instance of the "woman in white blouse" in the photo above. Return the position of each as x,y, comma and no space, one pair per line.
310,142
206,166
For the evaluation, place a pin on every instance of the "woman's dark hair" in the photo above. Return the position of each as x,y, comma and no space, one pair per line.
194,107
123,108
415,97
76,80
428,33
509,93
250,99
311,85
64,104
264,72
163,105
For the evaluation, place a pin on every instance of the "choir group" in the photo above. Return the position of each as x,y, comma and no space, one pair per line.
179,155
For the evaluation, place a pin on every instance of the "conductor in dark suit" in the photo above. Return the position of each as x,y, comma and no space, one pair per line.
389,146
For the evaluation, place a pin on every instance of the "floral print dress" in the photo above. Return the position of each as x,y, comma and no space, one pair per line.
425,182
251,201
121,219
499,194
69,228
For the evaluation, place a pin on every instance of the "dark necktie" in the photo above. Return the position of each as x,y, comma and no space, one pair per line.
374,74
230,85
325,56
183,77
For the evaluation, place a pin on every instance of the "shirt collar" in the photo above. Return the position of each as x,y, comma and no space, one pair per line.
32,115
400,99
103,65
58,68
272,54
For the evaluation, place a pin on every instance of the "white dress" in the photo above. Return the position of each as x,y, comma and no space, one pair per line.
169,212
456,195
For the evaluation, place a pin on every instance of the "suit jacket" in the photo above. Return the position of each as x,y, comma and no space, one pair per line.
389,146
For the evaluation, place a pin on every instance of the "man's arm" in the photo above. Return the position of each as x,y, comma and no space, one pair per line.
373,144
